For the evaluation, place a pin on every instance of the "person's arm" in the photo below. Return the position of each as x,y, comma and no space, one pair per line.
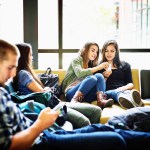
35,87
24,139
128,78
129,86
81,72
27,80
101,66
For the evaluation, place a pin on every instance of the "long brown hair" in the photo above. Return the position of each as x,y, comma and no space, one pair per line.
116,60
24,63
84,54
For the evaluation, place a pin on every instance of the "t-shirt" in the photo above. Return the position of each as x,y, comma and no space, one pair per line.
24,78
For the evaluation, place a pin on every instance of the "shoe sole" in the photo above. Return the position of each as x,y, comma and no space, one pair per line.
109,103
137,98
125,103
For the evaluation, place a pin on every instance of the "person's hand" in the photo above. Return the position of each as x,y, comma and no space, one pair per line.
46,118
104,65
106,74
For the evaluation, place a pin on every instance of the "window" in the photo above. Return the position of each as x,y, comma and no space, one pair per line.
47,24
62,34
11,20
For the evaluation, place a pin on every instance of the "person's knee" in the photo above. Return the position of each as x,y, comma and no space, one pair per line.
81,122
99,76
92,79
96,114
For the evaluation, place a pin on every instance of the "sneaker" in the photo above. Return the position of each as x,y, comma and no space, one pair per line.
125,103
136,97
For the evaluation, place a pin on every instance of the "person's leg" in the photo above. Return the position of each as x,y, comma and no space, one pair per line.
122,97
90,111
114,94
95,136
102,100
81,89
101,83
135,139
77,119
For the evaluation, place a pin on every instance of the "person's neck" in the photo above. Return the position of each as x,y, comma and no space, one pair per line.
1,85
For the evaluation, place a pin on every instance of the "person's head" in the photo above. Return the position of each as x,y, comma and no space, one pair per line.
110,52
9,55
90,53
25,60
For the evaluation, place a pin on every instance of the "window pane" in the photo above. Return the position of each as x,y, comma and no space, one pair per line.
48,60
11,20
101,20
48,24
67,57
86,20
137,62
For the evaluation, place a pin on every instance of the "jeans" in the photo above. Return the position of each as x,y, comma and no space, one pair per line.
82,114
96,136
88,87
115,94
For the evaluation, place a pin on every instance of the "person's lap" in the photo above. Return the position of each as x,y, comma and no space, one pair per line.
96,136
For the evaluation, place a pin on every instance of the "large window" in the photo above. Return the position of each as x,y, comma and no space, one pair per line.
11,20
65,25
84,21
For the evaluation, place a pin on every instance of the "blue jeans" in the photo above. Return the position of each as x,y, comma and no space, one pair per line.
89,87
96,136
115,94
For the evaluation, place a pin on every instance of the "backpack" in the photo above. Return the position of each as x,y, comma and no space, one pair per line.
31,104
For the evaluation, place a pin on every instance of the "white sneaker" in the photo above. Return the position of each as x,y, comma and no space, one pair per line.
136,98
125,103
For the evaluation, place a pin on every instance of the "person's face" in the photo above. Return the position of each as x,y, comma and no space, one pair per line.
8,68
92,53
110,53
30,58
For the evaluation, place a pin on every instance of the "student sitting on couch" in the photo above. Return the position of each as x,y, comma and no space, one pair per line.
119,85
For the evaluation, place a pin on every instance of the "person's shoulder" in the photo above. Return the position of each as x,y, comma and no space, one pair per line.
2,90
24,75
77,58
125,64
23,72
3,93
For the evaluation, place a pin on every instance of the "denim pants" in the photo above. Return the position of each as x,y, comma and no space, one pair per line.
96,136
89,87
82,114
115,94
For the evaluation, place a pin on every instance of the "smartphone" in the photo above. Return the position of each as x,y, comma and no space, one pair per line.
59,108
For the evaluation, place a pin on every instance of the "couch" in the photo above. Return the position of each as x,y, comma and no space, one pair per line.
115,109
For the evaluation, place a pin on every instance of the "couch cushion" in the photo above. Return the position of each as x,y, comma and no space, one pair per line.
135,78
115,110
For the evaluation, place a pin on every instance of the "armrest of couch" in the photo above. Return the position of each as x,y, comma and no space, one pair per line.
145,84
